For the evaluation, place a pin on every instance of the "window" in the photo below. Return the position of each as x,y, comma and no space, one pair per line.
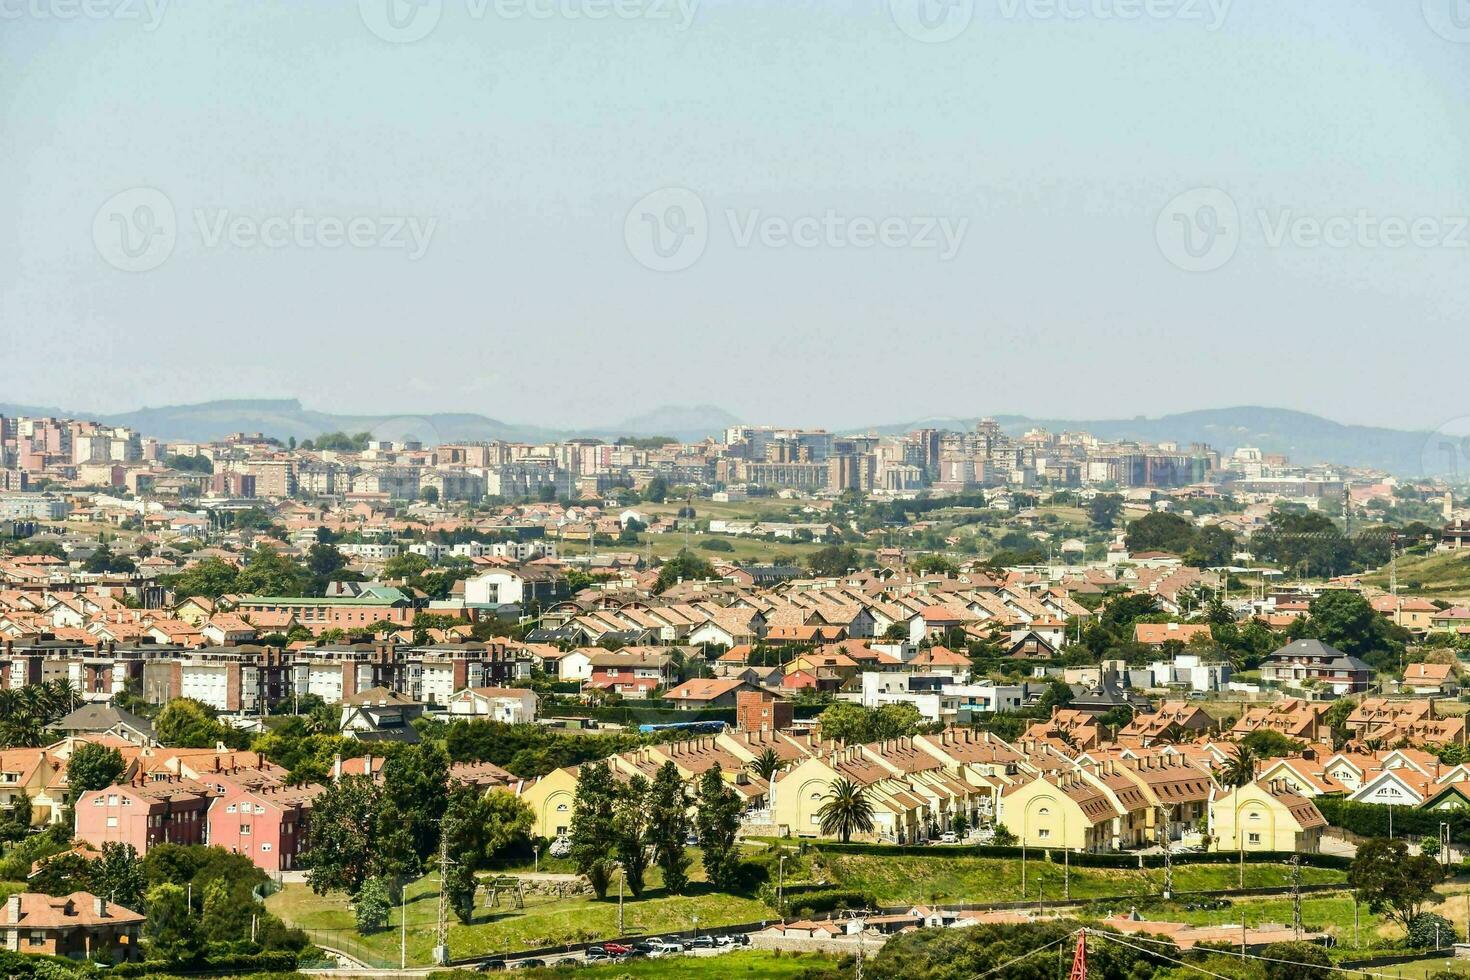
1253,838
230,808
1043,834
266,846
244,830
36,937
112,821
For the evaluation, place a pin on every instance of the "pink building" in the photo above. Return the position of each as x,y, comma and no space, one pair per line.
266,823
161,810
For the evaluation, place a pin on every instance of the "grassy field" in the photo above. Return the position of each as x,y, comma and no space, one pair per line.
895,880
543,922
1445,575
742,548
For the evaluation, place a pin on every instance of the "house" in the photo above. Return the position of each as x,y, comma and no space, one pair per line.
631,673
1157,634
80,926
1312,663
267,823
1430,678
1292,717
1174,721
106,719
160,810
1265,817
378,715
228,630
514,705
709,692
1066,809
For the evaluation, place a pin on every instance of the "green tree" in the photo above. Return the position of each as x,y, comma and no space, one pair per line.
656,491
185,723
372,905
1240,768
415,792
669,826
1392,881
118,875
632,832
1267,744
683,567
268,572
1295,961
341,841
717,820
93,767
15,820
834,560
845,721
170,933
845,810
1104,509
1160,532
898,720
765,765
224,917
592,834
209,577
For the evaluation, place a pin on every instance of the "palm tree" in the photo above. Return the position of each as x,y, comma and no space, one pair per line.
846,810
1240,770
765,765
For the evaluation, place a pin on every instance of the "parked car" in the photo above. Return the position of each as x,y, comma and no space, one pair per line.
490,966
531,964
617,949
666,945
702,942
598,952
948,837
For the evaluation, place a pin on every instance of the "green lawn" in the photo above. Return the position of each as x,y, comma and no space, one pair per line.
1444,575
543,922
894,880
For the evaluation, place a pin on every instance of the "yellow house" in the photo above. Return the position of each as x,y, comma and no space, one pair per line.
550,799
1268,817
898,813
1063,810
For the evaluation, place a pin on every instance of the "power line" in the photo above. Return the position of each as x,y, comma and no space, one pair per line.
1039,949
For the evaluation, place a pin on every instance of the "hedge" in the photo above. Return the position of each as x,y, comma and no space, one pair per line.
814,899
1372,819
1083,859
279,961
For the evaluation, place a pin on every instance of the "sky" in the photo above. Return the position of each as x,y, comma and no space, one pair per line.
569,212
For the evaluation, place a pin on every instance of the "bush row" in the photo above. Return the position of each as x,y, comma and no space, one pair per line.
1372,819
236,965
1083,860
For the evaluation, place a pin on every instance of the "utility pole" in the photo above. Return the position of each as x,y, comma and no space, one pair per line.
441,945
1296,896
1168,857
621,875
1067,874
1023,868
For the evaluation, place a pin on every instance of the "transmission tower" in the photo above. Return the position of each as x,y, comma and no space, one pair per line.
441,942
1296,896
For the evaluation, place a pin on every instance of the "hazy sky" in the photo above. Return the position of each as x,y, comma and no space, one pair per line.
570,211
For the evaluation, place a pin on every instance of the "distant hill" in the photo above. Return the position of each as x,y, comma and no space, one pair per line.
1303,437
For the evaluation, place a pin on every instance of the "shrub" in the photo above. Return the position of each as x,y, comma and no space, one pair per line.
1430,931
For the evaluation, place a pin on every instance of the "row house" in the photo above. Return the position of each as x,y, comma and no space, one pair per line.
161,810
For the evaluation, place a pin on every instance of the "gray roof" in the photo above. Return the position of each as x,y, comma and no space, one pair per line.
94,718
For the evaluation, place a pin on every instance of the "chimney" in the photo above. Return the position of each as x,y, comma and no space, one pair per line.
12,908
336,767
99,906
